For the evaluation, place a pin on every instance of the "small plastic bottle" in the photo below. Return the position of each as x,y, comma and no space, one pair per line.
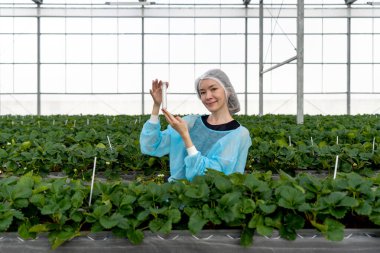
164,98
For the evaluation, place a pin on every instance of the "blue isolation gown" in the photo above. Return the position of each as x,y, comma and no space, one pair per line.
225,151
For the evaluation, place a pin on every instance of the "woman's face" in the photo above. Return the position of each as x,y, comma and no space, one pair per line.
213,95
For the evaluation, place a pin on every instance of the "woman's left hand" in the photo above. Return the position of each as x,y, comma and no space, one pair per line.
177,123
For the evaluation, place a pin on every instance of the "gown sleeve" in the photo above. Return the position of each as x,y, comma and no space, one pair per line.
153,141
228,155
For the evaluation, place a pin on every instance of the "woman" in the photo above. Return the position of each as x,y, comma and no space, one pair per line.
196,143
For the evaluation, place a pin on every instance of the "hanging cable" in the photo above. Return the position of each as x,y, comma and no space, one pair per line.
274,28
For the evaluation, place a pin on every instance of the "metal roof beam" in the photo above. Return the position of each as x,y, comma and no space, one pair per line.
187,12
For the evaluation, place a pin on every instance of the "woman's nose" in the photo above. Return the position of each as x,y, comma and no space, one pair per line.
208,94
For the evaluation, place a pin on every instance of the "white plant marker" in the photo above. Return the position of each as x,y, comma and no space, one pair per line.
22,123
75,121
109,142
290,141
65,122
108,121
312,144
88,122
337,140
336,166
53,122
373,145
92,181
136,121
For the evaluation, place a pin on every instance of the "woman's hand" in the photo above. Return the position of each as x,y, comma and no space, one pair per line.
180,126
156,92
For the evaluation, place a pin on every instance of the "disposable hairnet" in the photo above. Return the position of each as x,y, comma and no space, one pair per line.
221,77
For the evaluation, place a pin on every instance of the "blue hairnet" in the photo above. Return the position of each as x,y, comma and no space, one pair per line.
221,77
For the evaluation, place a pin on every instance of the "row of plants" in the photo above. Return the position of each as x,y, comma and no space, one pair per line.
279,143
68,144
255,203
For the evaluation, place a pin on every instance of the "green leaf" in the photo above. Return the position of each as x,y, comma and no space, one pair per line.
135,236
256,220
348,202
255,185
38,200
334,198
335,230
23,231
39,228
290,198
246,238
41,188
26,145
294,221
101,145
288,233
229,199
375,218
20,203
247,206
76,216
23,188
156,224
222,184
57,238
127,200
197,191
274,221
6,219
264,230
100,211
174,215
268,209
143,215
3,154
338,212
210,214
196,223
77,199
364,208
160,225
109,222
18,214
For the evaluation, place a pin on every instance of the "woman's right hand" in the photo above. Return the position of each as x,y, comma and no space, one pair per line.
156,92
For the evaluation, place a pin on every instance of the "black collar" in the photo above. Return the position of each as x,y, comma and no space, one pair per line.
222,127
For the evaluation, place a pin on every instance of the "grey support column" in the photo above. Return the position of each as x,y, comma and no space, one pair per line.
349,59
38,62
300,60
